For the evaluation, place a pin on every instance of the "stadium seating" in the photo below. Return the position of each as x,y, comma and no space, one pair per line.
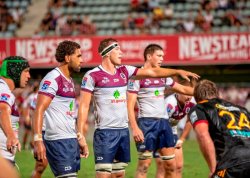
14,11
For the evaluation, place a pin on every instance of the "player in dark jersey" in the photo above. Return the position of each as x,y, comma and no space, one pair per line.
223,132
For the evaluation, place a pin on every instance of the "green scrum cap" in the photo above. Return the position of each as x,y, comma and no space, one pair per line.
12,68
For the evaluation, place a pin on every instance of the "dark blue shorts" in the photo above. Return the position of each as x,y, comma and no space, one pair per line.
63,156
111,144
157,134
157,155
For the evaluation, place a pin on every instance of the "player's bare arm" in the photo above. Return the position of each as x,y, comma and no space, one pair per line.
43,102
136,131
164,72
206,145
186,90
5,121
186,131
83,109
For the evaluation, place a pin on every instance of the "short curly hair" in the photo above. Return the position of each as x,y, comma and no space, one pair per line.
65,48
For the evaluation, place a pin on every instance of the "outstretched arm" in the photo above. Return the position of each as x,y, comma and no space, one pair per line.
186,90
164,72
137,133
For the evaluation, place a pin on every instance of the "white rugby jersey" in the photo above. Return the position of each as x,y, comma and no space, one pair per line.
109,95
150,96
59,117
31,102
175,112
7,97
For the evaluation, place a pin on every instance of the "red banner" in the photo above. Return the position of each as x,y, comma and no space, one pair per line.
179,49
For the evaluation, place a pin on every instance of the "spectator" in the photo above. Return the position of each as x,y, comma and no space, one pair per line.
168,11
128,22
188,24
87,28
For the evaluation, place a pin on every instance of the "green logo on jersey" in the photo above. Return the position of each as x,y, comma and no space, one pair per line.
157,92
17,125
71,105
116,94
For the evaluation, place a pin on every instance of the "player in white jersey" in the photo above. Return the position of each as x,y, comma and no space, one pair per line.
108,85
153,131
177,106
14,74
56,104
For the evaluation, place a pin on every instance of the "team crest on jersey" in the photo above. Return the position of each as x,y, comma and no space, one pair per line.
5,97
84,81
123,76
46,85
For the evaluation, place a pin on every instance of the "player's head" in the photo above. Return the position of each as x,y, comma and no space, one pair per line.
16,68
69,52
154,54
110,48
204,90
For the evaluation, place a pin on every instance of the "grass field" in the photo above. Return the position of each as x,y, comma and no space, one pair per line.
194,166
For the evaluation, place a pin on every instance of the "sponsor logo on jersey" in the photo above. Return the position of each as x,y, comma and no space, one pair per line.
71,111
45,85
147,82
116,80
105,80
4,97
118,98
84,81
157,92
156,81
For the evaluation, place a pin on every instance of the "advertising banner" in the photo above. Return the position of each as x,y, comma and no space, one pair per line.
215,49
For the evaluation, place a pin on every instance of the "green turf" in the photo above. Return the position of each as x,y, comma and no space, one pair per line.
194,166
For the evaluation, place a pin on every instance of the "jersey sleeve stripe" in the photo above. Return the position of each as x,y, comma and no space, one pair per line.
136,92
47,94
199,122
84,89
5,102
135,72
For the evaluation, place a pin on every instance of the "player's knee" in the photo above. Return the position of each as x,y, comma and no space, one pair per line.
145,155
103,167
119,167
169,162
